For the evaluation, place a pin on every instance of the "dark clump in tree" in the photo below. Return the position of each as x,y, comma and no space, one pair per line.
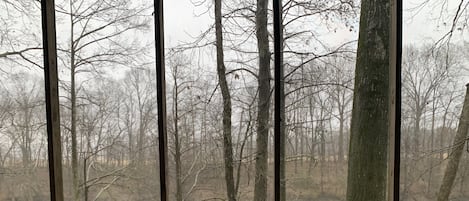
456,152
368,151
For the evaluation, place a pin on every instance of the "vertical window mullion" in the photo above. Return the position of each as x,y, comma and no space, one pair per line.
397,126
278,84
52,100
161,97
395,102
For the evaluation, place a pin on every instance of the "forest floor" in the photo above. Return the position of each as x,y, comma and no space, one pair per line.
320,182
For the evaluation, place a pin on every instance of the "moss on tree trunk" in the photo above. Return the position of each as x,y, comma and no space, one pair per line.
368,151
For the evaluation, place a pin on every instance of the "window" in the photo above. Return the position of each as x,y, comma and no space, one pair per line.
433,95
249,100
24,171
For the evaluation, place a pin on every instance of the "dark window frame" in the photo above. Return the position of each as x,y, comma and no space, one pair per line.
52,98
54,151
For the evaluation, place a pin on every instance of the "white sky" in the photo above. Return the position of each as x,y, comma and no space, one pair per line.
181,22
419,26
426,25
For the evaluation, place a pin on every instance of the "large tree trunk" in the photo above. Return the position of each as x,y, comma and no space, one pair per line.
260,186
221,70
368,152
456,152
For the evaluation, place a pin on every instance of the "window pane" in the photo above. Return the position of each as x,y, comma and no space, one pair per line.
434,75
108,104
319,60
23,137
200,165
319,93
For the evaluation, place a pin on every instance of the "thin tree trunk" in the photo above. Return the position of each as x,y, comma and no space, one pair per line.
260,186
322,148
73,131
432,136
140,141
295,124
283,141
221,70
281,105
177,146
341,135
302,141
368,152
415,147
313,135
331,135
456,151
443,133
26,135
177,158
130,133
85,178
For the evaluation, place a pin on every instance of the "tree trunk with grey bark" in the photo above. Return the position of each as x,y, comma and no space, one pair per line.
368,151
262,34
221,70
73,121
177,145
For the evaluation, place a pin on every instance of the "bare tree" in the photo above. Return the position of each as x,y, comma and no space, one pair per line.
423,72
342,96
221,71
92,24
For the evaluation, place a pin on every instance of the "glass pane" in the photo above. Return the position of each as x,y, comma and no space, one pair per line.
320,39
108,104
23,137
318,123
434,74
199,164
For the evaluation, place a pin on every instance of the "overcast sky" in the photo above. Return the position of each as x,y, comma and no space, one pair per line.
181,22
